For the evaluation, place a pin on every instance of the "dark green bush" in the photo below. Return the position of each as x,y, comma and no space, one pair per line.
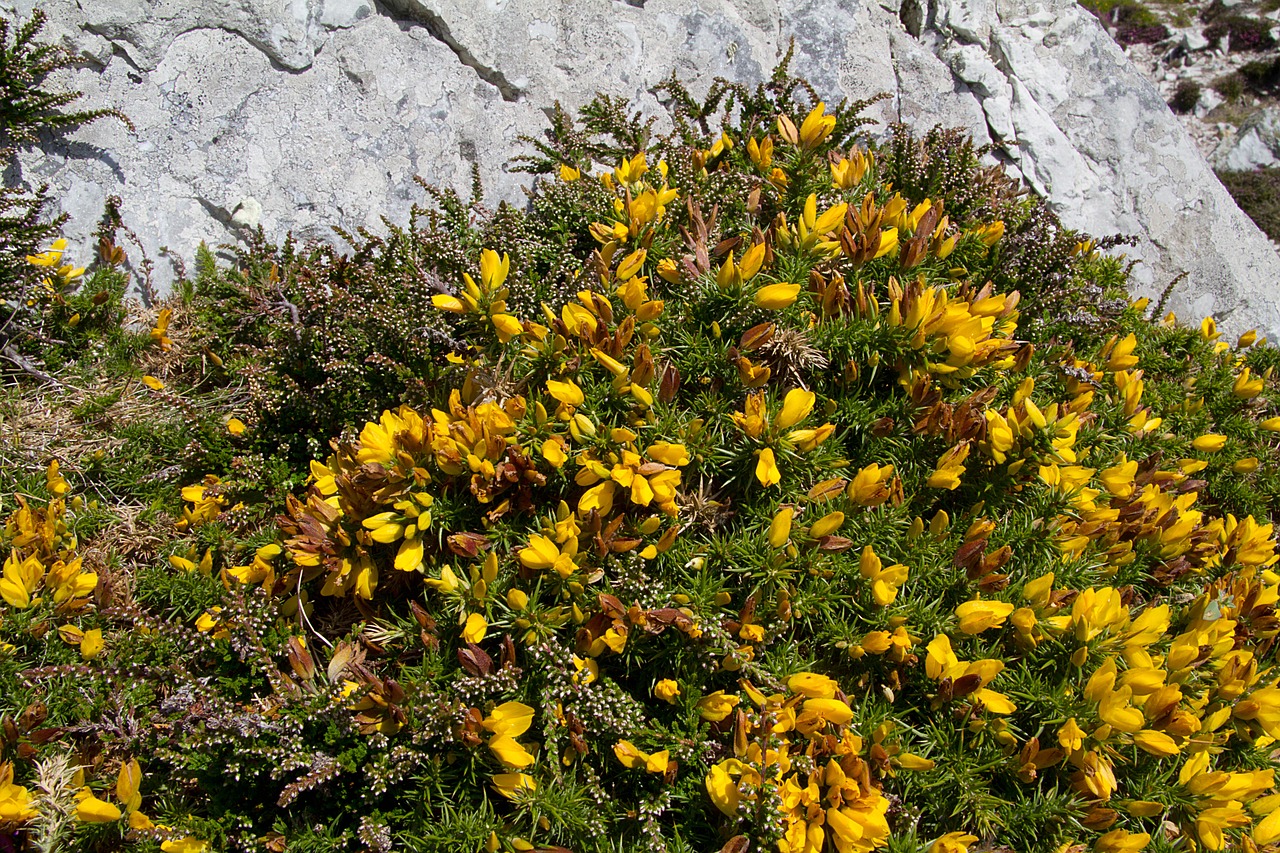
1258,194
1185,97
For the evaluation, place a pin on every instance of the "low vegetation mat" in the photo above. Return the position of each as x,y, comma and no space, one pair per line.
756,488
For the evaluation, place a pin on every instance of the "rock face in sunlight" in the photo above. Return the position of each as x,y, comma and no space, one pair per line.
304,114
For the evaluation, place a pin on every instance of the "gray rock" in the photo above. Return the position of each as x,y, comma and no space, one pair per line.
1255,145
1193,39
1209,101
323,111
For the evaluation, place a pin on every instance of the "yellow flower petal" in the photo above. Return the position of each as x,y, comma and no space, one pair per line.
510,784
775,297
767,469
93,810
91,645
475,629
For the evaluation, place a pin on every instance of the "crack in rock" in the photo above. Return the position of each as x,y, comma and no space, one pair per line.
413,12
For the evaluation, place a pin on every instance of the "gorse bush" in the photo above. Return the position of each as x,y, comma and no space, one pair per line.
760,488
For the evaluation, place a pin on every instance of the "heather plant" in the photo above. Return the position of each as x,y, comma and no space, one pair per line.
27,110
1240,33
759,488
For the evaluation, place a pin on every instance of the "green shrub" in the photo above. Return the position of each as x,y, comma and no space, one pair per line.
761,489
26,110
1258,193
1230,86
1185,97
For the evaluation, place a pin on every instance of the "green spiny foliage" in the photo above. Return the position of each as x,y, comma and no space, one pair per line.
759,489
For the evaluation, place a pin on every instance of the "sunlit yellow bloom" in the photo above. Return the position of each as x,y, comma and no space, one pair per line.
722,789
667,690
980,614
953,842
90,809
826,525
870,486
813,685
187,844
950,467
831,710
1122,357
1209,443
1070,735
510,785
475,629
767,469
15,802
1121,841
884,580
1156,743
91,645
776,296
716,706
816,126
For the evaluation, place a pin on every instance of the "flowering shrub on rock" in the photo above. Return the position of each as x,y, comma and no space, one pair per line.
774,491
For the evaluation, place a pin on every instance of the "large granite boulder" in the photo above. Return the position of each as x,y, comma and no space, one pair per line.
301,114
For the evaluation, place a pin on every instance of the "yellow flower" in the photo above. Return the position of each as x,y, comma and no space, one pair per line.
1209,443
633,759
1271,424
127,784
780,527
767,469
509,752
950,467
870,486
715,707
1122,357
566,393
188,844
91,645
980,614
20,580
722,789
153,383
51,256
1121,841
475,629
159,334
510,785
1246,387
813,685
953,842
776,296
816,126
15,802
667,690
1267,830
796,406
884,581
1157,743
93,810
826,525
831,710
